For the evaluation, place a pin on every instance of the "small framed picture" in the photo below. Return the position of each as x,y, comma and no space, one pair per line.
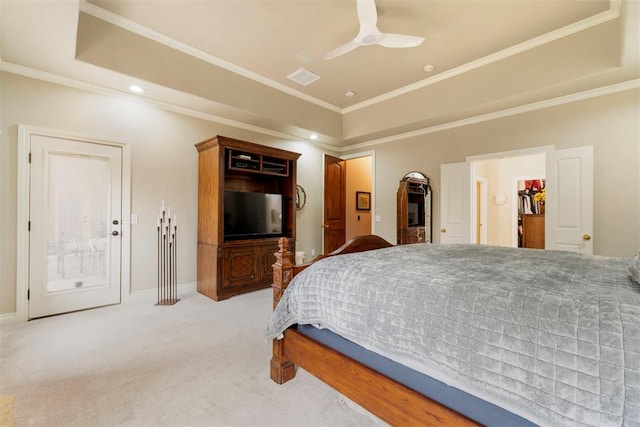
363,201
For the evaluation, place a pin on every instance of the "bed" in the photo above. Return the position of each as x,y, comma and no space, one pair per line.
544,337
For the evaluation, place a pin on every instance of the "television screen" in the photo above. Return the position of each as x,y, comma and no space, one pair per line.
251,215
413,214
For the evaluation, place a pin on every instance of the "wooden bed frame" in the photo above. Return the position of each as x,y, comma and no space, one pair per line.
382,396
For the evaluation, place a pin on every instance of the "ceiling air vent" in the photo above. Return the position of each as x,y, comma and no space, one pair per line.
303,77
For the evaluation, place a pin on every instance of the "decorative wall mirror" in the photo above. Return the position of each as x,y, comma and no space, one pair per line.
301,197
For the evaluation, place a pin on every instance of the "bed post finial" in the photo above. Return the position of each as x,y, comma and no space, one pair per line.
282,370
282,270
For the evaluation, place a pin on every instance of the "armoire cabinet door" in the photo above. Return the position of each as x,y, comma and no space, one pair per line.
240,266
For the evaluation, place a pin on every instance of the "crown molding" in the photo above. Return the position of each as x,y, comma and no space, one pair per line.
592,21
540,105
94,88
143,31
90,87
615,7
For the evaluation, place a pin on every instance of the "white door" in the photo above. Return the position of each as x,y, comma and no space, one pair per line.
455,203
75,208
569,200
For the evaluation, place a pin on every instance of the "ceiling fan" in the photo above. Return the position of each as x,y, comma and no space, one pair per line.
369,33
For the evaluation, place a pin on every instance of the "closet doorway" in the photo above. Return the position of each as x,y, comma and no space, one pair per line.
568,205
530,196
503,175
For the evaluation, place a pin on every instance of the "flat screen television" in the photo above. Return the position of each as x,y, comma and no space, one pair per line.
415,214
413,210
249,215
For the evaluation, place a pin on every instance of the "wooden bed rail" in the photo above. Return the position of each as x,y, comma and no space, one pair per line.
284,270
282,369
392,402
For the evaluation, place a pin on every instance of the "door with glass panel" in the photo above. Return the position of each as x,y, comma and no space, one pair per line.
75,225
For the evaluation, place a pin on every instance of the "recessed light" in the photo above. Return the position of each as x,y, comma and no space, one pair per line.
136,89
313,136
349,93
428,68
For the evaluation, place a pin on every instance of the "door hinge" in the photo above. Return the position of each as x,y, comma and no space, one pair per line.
28,225
29,157
28,294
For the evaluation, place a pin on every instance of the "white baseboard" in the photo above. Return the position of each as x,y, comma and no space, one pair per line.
147,295
7,318
152,294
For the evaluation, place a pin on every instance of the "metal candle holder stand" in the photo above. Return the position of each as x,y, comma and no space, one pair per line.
167,275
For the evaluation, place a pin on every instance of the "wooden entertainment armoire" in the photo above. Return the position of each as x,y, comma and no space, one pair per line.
414,209
227,267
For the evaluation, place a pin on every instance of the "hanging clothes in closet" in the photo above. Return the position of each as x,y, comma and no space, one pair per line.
528,202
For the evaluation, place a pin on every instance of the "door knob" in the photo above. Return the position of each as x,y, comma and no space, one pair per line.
443,230
115,222
586,237
114,233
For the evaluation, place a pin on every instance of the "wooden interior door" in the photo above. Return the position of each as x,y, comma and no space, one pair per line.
335,177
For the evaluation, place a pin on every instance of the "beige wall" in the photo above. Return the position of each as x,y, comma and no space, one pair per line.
611,124
164,166
500,174
358,223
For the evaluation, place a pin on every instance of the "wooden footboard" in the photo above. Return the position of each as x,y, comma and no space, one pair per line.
382,396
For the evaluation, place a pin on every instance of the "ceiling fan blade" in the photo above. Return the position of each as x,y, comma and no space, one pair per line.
399,40
369,33
367,14
347,47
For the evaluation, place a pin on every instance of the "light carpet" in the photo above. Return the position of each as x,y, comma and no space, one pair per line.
196,363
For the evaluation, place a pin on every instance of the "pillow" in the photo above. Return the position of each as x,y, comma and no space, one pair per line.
634,269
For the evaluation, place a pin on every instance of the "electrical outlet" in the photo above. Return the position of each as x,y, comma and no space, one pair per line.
134,218
313,252
378,218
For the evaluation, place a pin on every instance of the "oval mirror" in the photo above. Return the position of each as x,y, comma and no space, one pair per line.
301,197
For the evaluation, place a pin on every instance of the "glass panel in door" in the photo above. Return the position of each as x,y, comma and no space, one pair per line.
77,237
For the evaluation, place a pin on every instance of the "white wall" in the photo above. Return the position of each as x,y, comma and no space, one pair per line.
164,166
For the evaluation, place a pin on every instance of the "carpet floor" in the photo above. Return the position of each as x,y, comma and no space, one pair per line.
196,363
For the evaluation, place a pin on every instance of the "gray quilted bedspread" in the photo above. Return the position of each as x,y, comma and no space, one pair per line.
552,336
